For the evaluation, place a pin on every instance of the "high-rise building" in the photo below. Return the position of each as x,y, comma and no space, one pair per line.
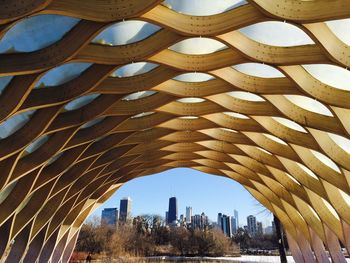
204,221
166,217
268,230
109,216
233,225
227,225
172,212
182,218
200,221
235,213
188,214
224,223
259,228
219,220
251,223
196,221
273,227
125,209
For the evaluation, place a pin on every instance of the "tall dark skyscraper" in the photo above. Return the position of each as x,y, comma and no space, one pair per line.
125,209
172,212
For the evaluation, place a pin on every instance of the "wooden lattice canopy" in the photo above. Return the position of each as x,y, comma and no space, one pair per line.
90,100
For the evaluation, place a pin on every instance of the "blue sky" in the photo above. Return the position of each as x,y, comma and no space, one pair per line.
204,192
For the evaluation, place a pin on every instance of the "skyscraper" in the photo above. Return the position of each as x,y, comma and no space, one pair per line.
219,221
196,221
125,209
268,230
181,218
172,212
259,228
235,213
200,221
204,220
273,227
167,217
188,214
226,225
109,216
233,225
251,223
224,222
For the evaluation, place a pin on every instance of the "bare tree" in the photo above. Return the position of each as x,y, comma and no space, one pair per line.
93,236
148,236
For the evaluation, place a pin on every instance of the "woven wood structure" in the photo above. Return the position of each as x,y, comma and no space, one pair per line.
68,145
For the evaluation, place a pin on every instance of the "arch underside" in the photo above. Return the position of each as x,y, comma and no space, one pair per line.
46,194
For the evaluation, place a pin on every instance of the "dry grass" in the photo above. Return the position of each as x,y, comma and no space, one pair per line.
140,260
170,261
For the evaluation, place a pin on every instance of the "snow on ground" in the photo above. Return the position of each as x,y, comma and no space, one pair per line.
260,259
248,259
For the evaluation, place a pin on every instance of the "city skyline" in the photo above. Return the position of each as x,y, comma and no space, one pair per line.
228,224
224,196
111,216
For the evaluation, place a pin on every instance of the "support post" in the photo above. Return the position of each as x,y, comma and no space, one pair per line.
281,246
